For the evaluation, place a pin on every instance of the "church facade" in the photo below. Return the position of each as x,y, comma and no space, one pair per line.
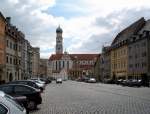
70,66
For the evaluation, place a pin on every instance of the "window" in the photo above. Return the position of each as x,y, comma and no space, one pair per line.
59,65
56,65
130,57
143,54
7,89
22,90
10,60
67,64
7,59
3,109
7,43
32,84
19,62
63,64
144,64
10,45
14,46
14,61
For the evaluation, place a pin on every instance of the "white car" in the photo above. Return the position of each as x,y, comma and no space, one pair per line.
92,80
9,106
58,80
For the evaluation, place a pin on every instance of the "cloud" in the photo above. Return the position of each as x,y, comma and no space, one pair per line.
28,16
114,23
88,26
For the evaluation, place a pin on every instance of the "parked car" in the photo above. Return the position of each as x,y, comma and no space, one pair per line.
58,80
92,80
33,95
85,79
22,100
27,82
46,80
39,80
132,83
41,84
9,106
119,81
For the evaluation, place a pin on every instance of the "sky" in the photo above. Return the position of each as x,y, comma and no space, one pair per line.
87,24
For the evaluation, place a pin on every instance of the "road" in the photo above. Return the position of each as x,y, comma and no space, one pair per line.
72,97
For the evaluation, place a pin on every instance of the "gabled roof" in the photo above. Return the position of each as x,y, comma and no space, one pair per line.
55,57
84,56
133,29
74,56
1,15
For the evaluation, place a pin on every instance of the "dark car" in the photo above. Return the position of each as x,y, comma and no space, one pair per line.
27,82
136,83
119,81
33,95
132,83
85,79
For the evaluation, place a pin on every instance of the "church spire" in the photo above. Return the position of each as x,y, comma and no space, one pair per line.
59,41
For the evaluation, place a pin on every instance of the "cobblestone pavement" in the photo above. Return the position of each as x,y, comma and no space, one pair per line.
83,98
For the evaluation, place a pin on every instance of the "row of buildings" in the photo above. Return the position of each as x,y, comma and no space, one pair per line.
128,56
18,59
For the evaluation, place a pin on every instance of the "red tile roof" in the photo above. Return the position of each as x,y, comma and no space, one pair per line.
84,56
75,56
55,57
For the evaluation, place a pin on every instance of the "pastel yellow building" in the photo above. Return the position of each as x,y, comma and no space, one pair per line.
119,62
119,50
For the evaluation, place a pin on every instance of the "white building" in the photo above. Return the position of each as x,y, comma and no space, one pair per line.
66,65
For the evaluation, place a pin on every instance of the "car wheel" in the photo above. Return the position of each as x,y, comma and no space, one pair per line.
31,105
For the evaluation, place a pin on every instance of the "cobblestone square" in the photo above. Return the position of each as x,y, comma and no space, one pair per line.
72,97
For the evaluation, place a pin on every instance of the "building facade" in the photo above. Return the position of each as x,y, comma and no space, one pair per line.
13,51
44,68
105,64
70,65
97,71
119,50
2,48
35,61
138,54
26,59
16,53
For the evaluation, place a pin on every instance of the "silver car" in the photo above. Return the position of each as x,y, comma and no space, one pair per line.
9,106
41,84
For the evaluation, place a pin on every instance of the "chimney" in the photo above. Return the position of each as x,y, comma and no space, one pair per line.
8,20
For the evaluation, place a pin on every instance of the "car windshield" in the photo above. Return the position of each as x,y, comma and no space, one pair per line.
10,99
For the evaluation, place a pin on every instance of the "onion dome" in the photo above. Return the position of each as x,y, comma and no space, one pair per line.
59,30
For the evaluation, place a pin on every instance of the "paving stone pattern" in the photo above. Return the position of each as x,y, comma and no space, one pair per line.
72,97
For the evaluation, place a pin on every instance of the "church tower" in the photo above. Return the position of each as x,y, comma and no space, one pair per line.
59,41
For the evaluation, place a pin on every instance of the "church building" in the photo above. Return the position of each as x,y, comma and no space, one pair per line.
70,66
